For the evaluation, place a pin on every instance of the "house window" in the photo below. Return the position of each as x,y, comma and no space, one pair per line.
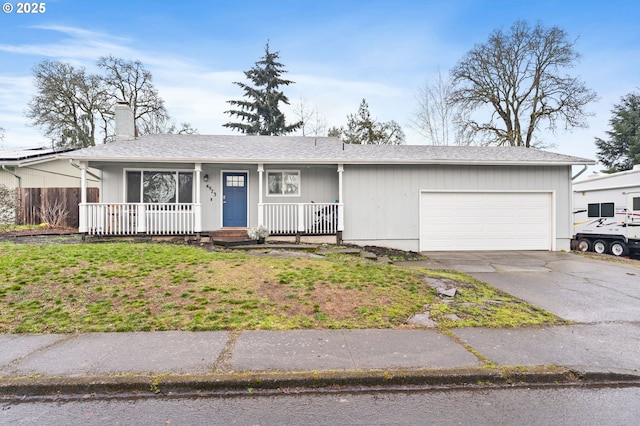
159,186
235,180
601,210
284,183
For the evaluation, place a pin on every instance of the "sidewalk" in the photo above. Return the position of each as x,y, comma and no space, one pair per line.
169,362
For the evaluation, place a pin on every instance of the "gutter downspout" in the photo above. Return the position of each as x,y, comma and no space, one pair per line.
88,172
572,240
584,169
14,174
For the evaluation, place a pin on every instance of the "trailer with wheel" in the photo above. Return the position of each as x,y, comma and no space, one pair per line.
606,213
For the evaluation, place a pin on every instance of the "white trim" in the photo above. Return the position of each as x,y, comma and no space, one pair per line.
222,172
82,214
260,200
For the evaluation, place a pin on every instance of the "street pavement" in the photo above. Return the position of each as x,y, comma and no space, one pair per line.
601,298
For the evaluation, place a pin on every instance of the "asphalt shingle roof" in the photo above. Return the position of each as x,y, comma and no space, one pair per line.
307,150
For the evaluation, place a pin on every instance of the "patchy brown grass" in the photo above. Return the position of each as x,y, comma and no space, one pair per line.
127,287
142,287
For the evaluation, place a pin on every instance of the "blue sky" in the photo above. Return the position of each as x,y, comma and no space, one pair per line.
337,52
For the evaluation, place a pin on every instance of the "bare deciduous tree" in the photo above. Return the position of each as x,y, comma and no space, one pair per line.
75,108
131,82
437,119
181,129
68,105
312,123
520,75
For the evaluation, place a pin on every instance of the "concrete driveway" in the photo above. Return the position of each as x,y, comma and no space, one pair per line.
568,285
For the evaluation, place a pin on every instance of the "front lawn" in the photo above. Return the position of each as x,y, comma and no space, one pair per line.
144,287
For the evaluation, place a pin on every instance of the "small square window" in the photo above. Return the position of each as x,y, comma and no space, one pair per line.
636,203
593,210
235,181
607,210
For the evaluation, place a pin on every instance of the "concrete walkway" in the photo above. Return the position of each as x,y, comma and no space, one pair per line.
189,361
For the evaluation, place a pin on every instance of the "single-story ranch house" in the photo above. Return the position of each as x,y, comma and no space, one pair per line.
409,197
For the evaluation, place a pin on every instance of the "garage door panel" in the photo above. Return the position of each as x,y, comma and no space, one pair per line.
485,221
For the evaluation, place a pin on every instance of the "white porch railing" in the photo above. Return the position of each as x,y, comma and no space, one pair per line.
125,218
303,218
184,219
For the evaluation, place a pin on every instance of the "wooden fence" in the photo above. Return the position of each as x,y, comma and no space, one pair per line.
39,205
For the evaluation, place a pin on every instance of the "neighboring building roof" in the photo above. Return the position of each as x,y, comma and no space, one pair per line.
17,156
307,150
625,179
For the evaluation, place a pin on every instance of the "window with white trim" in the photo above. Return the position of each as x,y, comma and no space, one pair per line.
283,183
152,186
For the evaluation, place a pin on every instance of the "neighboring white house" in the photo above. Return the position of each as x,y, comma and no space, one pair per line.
410,197
40,168
46,186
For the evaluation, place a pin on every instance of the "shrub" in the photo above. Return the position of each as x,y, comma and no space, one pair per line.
8,206
54,215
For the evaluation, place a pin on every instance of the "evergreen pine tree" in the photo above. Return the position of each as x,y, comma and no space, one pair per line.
622,150
362,129
258,111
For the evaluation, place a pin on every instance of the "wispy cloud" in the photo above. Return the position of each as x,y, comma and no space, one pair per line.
80,45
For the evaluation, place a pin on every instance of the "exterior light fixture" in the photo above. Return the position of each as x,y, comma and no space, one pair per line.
205,178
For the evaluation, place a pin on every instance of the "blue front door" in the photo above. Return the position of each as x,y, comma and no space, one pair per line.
234,199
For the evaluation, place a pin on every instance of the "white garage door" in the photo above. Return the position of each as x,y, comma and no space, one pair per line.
485,221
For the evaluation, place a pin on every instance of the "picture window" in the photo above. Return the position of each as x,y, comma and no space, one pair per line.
283,183
150,186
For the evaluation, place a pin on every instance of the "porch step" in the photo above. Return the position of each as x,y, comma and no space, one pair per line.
228,233
229,237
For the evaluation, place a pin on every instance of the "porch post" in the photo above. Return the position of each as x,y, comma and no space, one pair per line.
82,214
197,206
141,214
340,199
260,203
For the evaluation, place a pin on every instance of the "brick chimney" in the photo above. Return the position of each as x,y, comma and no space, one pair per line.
125,124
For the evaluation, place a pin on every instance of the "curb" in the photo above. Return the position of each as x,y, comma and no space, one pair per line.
169,384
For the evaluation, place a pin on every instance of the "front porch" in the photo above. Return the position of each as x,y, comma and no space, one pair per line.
171,219
176,201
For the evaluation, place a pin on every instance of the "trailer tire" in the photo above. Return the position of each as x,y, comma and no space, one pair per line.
600,246
583,245
619,248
